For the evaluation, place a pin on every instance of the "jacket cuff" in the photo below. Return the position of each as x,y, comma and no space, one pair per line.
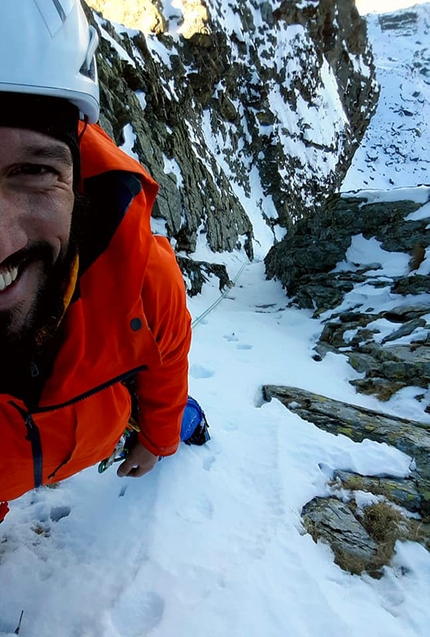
157,451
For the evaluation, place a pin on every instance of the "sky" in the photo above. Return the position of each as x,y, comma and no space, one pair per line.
383,6
211,542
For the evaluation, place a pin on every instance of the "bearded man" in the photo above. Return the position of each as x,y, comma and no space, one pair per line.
93,318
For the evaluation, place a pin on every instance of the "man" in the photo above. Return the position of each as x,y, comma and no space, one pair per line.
92,305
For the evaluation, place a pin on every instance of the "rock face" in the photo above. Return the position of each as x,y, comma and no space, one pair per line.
307,264
304,260
243,112
358,423
144,16
363,538
327,264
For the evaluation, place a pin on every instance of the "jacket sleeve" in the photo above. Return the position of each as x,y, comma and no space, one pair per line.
162,389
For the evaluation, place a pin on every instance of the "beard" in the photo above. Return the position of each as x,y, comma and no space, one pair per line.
22,338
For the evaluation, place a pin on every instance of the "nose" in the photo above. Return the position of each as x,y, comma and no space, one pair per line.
13,236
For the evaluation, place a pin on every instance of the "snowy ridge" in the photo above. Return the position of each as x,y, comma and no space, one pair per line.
394,151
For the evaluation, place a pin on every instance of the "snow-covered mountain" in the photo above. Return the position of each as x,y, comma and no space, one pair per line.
211,543
247,114
395,148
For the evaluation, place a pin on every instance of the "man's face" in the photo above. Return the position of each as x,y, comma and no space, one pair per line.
36,204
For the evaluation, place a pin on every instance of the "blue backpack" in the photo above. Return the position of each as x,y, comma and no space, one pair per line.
194,427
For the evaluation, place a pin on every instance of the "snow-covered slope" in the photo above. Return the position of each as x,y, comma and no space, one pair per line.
211,542
395,148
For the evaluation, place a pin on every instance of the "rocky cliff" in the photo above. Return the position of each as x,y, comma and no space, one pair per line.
363,266
247,114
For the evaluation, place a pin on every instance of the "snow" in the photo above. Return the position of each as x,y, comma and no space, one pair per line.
142,99
368,251
129,141
419,194
211,542
421,213
384,6
394,151
172,167
114,44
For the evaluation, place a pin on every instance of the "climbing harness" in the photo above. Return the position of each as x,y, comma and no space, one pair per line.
122,447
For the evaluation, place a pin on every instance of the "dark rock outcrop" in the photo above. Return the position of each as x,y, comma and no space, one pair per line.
400,357
197,273
304,260
364,538
320,272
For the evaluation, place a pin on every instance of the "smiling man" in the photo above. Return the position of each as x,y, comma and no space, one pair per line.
93,321
37,247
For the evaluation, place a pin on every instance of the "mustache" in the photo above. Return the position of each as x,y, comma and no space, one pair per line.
36,251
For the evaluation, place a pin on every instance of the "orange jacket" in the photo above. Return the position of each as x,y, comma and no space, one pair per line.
128,313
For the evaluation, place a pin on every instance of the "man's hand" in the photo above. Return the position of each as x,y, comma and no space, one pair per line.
139,461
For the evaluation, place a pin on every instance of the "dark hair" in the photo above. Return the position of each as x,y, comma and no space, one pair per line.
53,116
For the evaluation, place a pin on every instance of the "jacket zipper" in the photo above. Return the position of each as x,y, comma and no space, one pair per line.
36,448
33,434
91,392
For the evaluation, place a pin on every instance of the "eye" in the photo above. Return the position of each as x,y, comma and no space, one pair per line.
33,170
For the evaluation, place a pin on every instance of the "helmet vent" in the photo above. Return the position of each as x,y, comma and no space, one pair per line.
54,13
60,10
89,68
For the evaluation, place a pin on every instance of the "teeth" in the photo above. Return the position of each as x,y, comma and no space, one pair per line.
7,278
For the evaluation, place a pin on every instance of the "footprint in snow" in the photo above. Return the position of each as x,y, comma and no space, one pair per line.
59,512
198,371
208,462
199,510
231,337
137,612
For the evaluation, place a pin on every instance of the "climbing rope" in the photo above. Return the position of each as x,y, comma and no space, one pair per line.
218,300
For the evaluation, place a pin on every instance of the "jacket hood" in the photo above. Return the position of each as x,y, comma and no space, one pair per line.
109,158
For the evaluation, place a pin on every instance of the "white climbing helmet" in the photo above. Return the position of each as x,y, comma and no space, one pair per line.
48,48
